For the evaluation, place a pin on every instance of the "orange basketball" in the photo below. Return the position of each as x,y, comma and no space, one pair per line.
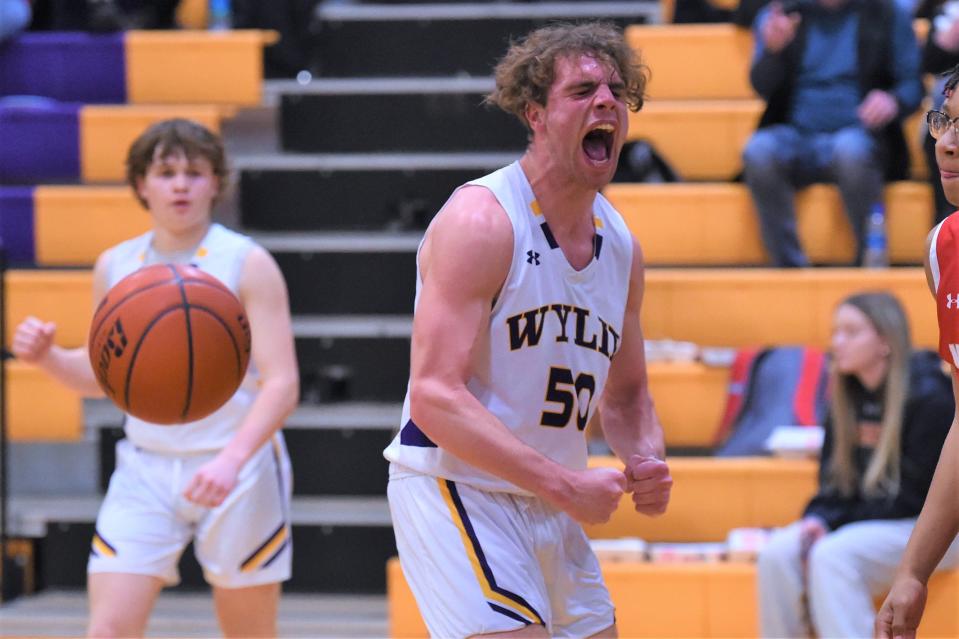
169,344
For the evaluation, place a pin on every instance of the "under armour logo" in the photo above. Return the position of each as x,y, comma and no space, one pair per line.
532,257
952,301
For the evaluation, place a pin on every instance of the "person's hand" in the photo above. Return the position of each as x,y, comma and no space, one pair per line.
648,479
811,530
213,481
778,29
901,612
33,340
878,108
595,495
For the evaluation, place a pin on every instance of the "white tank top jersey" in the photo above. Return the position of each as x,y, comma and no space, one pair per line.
221,253
542,364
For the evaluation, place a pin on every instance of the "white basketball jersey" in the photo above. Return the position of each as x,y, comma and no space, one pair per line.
551,336
221,254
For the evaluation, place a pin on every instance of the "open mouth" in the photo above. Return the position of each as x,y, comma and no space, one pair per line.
598,143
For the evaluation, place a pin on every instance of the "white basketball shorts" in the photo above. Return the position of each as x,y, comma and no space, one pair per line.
481,562
145,522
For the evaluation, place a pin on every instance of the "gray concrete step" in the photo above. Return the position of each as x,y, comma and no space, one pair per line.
63,613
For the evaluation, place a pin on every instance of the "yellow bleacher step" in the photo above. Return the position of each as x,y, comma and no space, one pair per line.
766,307
667,50
106,133
713,495
688,423
716,223
60,296
187,66
695,600
74,224
39,408
702,139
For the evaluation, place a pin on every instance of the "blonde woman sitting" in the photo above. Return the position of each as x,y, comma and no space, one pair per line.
889,414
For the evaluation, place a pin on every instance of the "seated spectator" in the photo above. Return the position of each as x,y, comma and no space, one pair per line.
889,414
14,17
939,55
838,76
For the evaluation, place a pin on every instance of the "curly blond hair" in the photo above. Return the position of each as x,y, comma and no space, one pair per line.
525,74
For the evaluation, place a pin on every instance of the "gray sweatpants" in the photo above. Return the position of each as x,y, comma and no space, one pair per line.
847,569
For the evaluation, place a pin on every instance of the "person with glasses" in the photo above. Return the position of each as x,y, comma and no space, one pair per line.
938,522
939,54
838,77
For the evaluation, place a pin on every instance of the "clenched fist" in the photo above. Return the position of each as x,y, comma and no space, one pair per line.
648,479
33,339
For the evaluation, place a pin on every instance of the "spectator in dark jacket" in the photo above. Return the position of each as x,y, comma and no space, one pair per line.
889,414
838,76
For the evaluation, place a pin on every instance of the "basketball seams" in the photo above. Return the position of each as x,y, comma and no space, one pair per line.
136,349
173,288
229,331
95,330
189,340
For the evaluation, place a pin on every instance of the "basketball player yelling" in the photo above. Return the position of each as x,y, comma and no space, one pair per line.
526,323
222,482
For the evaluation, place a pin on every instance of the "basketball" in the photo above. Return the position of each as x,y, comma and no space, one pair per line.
169,344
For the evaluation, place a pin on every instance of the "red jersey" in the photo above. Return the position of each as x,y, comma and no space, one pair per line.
944,265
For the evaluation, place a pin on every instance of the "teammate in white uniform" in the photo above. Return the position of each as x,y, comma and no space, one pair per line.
527,321
222,482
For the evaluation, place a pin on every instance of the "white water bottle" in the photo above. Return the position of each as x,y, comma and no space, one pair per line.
876,254
219,18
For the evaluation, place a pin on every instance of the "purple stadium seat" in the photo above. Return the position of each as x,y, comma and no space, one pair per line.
67,66
16,223
41,141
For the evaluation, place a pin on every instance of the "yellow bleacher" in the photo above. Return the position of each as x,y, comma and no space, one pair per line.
743,307
106,133
721,51
682,600
223,67
63,297
39,408
698,599
713,495
74,224
716,223
702,139
688,422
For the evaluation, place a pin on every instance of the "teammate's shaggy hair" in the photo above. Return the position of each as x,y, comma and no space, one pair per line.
525,74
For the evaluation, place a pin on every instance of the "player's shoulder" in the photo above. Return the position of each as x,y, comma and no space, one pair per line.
473,212
219,235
